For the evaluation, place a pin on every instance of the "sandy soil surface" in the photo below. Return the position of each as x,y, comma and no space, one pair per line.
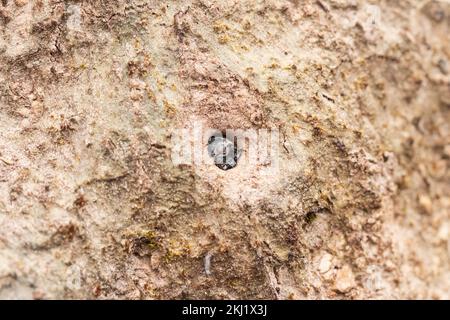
93,92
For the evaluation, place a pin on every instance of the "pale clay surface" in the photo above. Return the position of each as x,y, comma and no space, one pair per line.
91,205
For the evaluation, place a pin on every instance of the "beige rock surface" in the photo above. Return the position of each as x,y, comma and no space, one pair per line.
92,206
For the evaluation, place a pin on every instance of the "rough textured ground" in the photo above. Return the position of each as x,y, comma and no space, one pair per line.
91,205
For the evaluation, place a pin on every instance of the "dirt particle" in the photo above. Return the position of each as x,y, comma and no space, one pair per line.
326,263
426,203
345,279
20,3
